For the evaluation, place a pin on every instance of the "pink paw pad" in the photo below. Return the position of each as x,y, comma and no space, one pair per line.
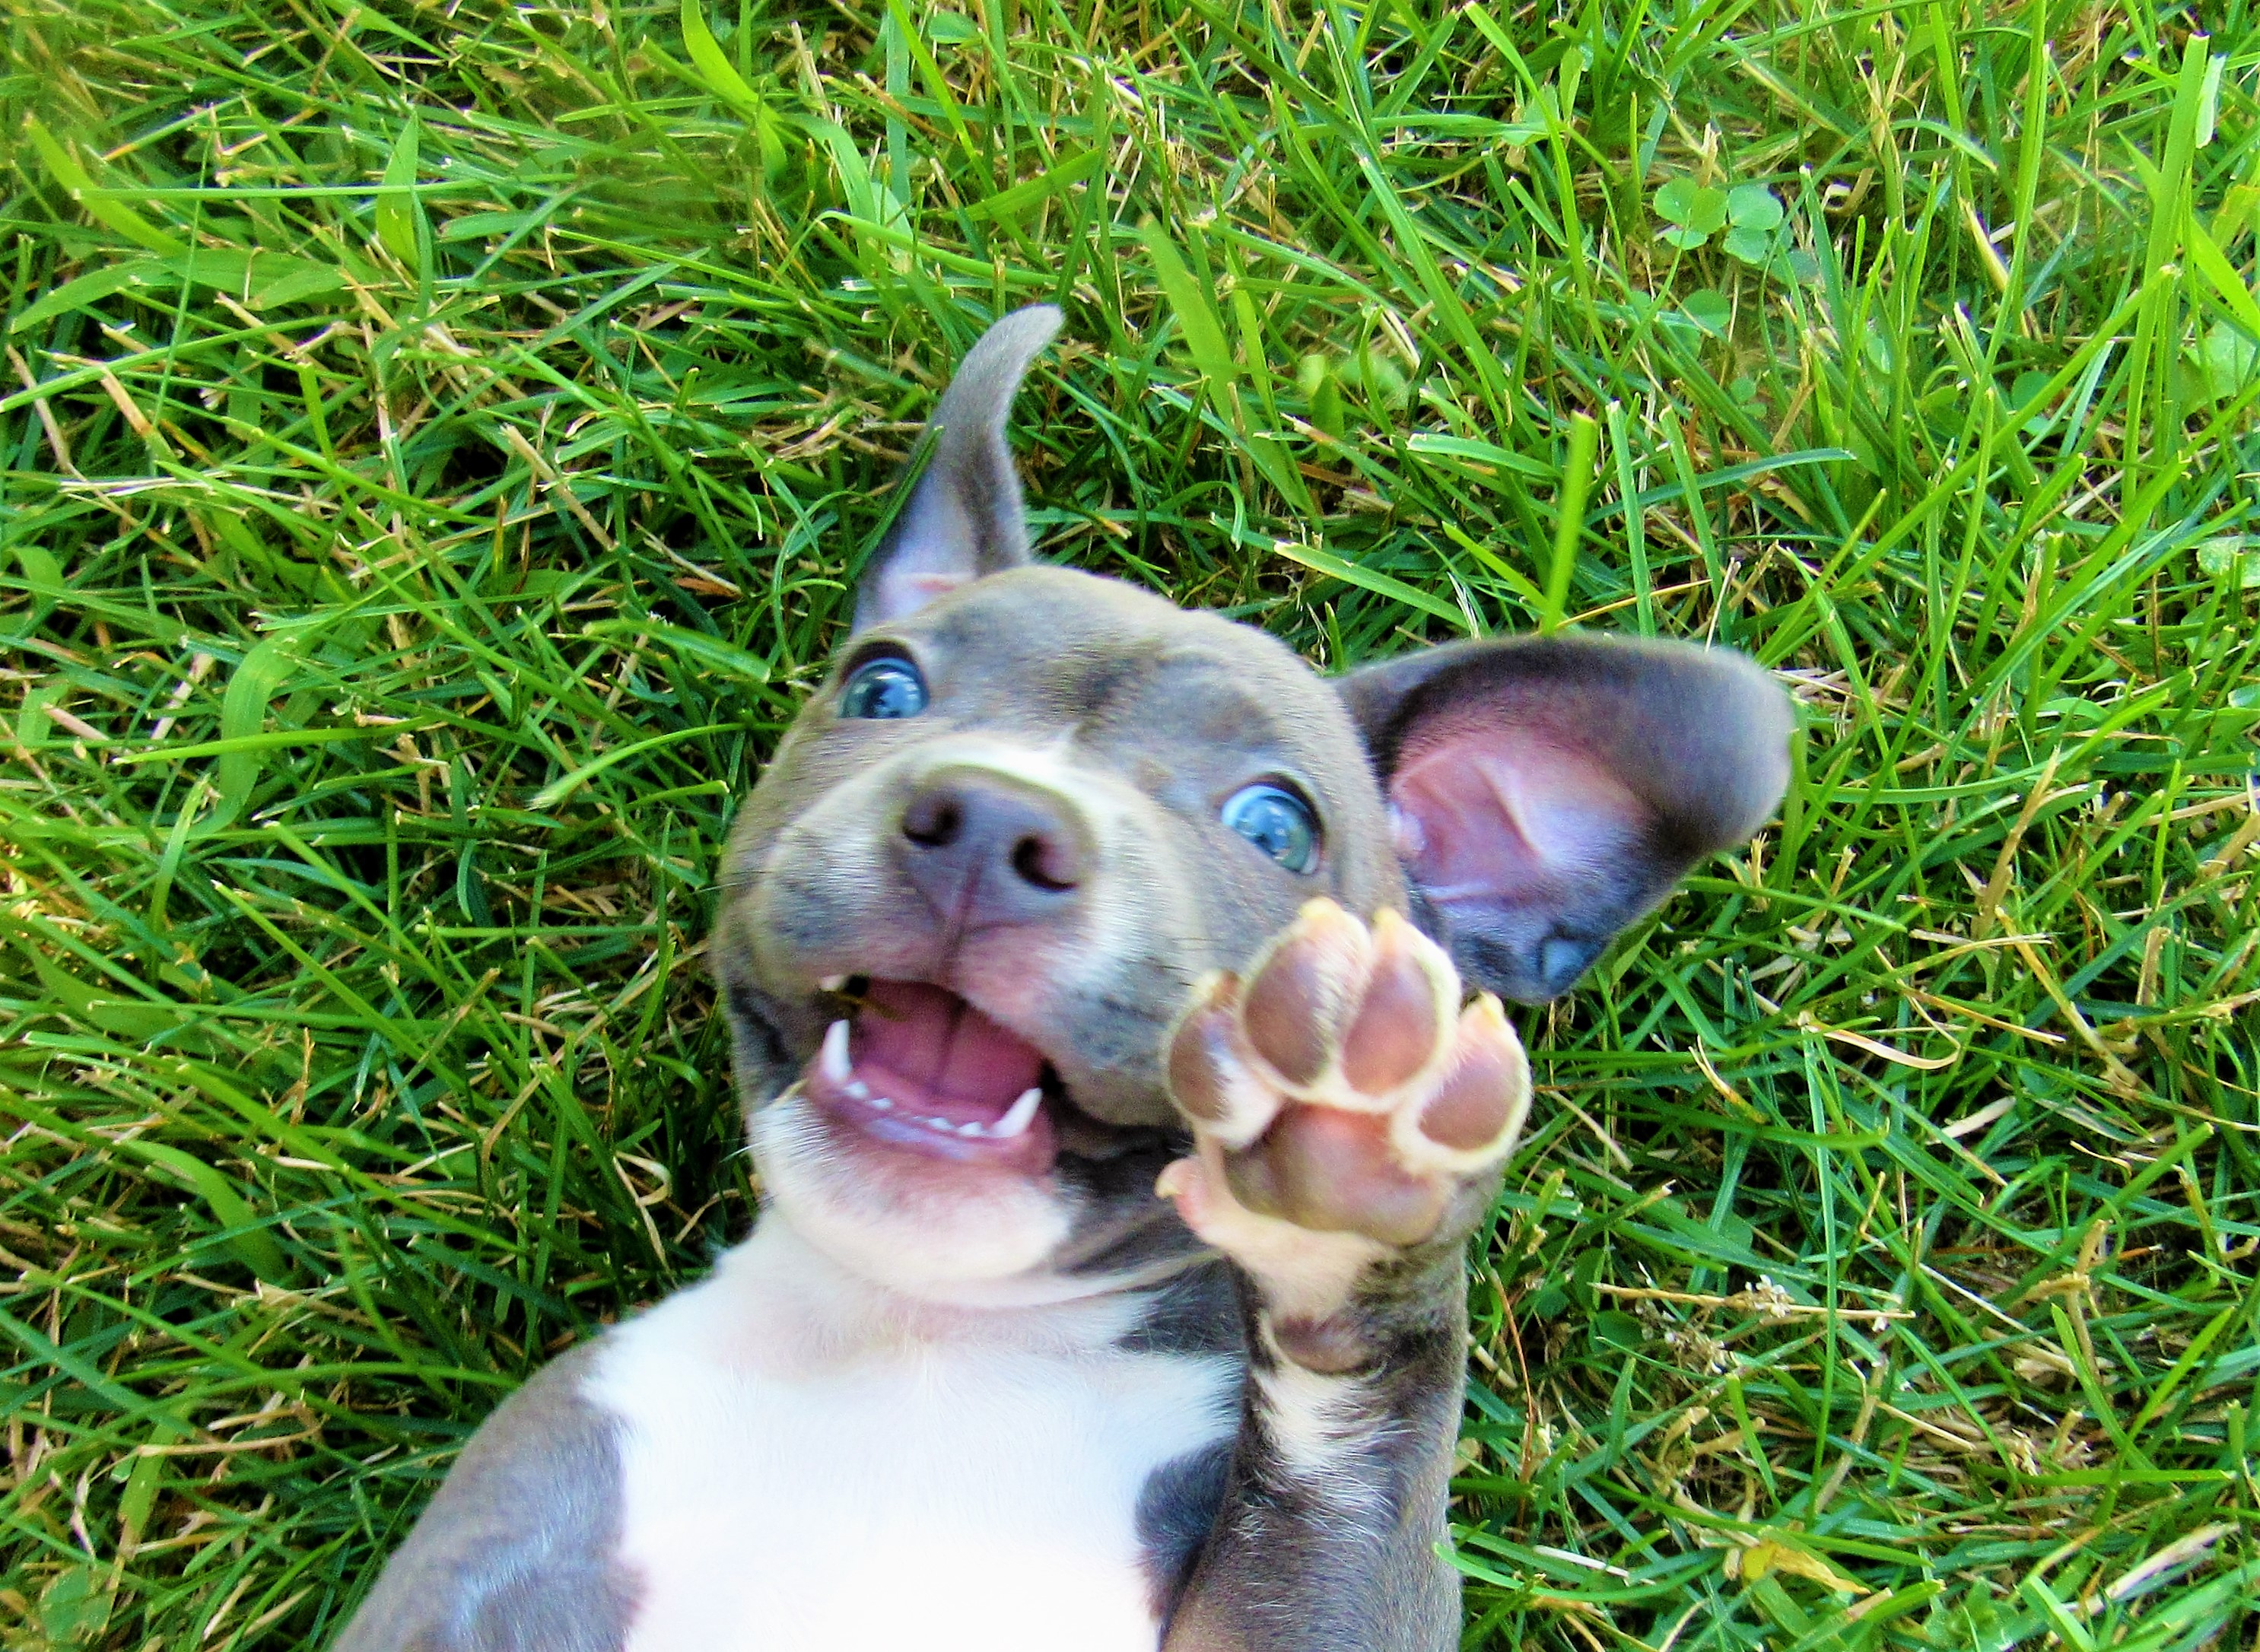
1342,1087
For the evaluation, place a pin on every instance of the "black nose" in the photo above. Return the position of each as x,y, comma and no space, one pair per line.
987,849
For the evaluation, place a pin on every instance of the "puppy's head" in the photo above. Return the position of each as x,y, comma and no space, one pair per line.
1031,806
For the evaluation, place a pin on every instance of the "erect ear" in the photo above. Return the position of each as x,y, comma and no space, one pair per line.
962,519
1545,792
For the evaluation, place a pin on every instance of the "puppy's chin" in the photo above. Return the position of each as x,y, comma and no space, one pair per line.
928,1228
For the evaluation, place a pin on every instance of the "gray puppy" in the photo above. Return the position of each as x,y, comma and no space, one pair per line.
1095,973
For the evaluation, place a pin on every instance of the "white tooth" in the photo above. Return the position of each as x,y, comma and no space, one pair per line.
858,1088
1023,1113
942,1124
833,1063
832,983
881,1102
972,1129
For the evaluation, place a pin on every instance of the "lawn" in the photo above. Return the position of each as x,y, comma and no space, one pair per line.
439,439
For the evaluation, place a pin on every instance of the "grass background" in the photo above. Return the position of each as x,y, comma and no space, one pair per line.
437,438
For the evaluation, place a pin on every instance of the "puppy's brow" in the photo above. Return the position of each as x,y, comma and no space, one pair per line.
1216,712
1100,681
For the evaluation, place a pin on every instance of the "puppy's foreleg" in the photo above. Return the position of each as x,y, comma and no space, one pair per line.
1350,1120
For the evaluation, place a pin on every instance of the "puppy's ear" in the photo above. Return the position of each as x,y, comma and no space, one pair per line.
1545,792
962,519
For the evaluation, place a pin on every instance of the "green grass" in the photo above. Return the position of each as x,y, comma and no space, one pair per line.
436,442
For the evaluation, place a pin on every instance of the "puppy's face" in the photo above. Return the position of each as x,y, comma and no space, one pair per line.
1030,807
998,847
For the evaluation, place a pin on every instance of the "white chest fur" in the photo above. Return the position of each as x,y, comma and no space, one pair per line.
812,1465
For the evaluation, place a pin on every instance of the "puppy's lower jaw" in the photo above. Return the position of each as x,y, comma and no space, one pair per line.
930,1147
918,1146
940,1229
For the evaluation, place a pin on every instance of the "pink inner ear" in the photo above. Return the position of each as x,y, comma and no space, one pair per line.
1512,813
932,553
922,589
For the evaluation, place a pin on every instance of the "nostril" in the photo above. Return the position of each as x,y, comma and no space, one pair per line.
1038,861
933,823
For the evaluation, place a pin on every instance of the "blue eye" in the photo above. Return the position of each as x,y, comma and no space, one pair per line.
887,687
1277,822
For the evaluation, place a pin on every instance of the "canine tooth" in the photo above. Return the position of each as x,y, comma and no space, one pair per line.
833,1063
1023,1113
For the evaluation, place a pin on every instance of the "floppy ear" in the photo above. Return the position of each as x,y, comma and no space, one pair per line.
1545,792
962,519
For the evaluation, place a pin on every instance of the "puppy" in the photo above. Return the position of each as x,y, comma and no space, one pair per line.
1094,969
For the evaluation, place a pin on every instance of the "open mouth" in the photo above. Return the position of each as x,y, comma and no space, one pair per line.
916,1066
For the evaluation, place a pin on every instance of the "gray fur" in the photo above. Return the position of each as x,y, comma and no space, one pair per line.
1176,1510
515,1552
1294,1567
1196,1313
1169,710
963,517
1117,1228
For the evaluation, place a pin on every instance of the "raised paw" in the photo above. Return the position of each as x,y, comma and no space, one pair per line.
1340,1089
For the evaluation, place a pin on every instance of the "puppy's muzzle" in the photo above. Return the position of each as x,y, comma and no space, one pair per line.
988,848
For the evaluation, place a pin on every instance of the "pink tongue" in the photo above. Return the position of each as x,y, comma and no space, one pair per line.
922,1045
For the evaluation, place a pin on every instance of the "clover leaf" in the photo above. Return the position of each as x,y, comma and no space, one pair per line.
1708,310
1756,215
2230,560
2228,358
1752,206
1695,211
1752,247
